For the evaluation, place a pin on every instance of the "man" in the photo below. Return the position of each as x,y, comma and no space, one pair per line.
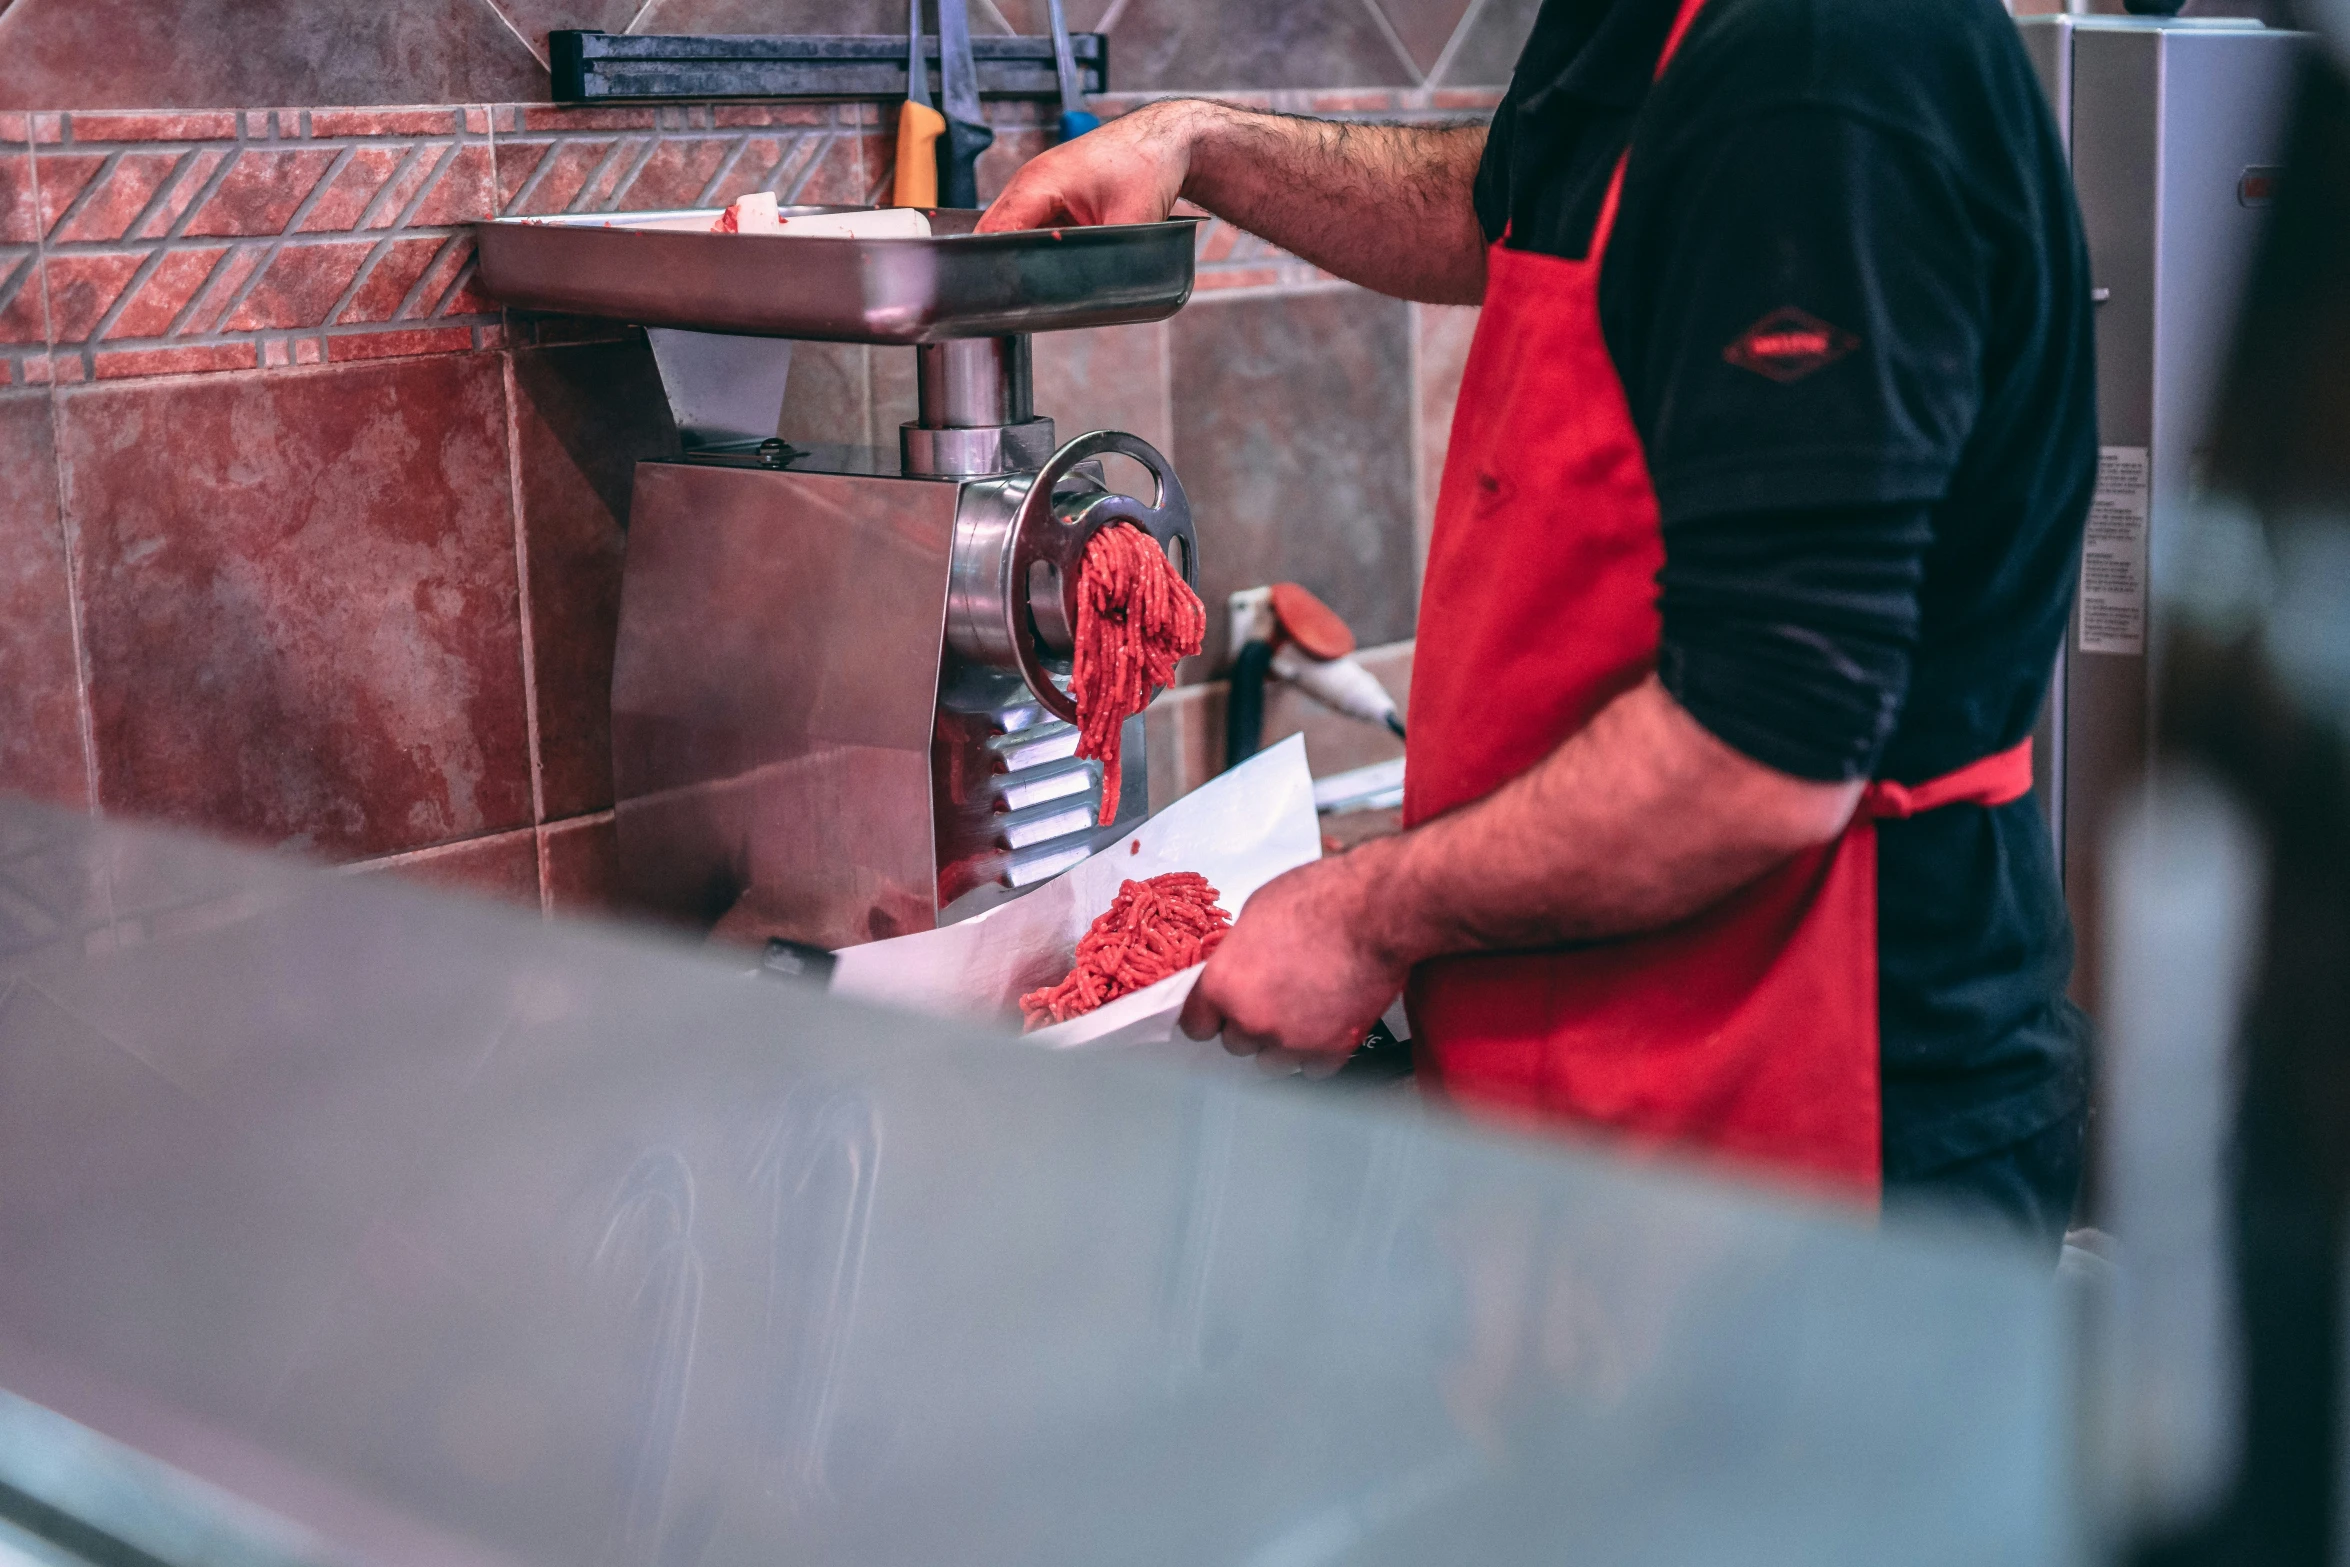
1754,547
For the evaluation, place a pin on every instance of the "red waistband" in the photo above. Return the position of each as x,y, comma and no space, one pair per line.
1995,780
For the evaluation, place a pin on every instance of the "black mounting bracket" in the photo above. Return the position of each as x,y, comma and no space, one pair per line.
593,67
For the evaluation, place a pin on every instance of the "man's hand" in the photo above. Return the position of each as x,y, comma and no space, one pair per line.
1300,980
1386,206
1129,170
1637,821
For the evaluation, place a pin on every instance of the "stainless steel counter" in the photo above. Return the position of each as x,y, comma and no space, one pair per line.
343,1222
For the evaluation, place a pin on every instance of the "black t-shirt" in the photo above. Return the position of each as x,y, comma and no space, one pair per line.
1848,297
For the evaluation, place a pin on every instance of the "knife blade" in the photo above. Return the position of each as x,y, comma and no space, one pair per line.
967,135
1075,121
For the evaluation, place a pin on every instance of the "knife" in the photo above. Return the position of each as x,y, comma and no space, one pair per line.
1075,121
919,124
967,136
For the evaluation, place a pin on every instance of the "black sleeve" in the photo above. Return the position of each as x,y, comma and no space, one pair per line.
1788,635
1797,301
1797,304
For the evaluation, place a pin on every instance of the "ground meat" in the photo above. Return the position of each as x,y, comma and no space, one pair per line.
1151,929
1136,618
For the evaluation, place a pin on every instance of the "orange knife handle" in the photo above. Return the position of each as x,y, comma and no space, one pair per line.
919,127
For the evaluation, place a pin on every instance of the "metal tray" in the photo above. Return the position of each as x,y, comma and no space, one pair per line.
953,284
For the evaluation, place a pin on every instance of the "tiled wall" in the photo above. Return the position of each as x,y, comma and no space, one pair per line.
304,541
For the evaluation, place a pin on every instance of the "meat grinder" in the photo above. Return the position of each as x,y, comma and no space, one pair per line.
840,704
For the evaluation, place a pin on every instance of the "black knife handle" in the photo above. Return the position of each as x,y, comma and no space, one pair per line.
958,162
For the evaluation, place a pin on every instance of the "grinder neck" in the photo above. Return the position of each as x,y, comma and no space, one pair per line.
974,396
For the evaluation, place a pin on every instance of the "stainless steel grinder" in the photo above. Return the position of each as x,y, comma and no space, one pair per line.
839,708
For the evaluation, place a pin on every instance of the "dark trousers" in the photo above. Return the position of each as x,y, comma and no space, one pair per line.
2028,1187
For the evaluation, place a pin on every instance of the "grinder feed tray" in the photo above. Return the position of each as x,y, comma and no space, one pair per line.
658,269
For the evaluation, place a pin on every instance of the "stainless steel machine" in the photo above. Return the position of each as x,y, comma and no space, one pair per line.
839,699
2175,128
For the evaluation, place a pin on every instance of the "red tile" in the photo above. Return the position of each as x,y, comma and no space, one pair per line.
1106,378
166,292
92,126
765,162
467,299
352,188
1486,98
22,319
387,282
1237,277
185,188
18,225
729,115
40,697
261,191
124,194
568,165
48,128
63,175
837,177
216,54
127,364
300,287
582,866
461,190
556,117
503,867
430,121
440,275
675,174
342,347
213,300
602,190
415,171
583,416
15,125
83,286
300,602
517,161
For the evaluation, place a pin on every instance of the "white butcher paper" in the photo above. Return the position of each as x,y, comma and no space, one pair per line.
1239,830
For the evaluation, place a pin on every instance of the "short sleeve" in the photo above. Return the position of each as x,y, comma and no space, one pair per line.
1796,301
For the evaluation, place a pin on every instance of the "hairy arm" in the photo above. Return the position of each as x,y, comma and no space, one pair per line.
1386,206
1639,820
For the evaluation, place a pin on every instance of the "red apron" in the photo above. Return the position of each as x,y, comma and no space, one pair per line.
1748,1031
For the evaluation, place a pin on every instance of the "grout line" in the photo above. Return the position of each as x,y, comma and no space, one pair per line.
1395,42
1109,21
84,197
500,12
427,854
407,308
627,182
275,248
726,166
1167,383
637,20
350,294
68,535
588,185
383,193
1452,46
530,668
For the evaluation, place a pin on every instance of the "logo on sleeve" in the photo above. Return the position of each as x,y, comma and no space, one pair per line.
1789,344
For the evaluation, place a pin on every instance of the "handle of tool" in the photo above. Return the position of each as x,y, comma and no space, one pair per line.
1076,122
958,162
919,127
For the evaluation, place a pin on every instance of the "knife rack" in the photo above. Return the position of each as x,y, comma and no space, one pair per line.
597,67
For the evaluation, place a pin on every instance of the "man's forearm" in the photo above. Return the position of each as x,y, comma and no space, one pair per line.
1386,206
1638,821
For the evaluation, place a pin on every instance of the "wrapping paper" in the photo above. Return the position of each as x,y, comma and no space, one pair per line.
1240,830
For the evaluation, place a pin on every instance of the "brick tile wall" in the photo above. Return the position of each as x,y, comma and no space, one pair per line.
305,541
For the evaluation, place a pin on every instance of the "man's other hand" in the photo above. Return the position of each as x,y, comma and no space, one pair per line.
1300,980
1130,170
